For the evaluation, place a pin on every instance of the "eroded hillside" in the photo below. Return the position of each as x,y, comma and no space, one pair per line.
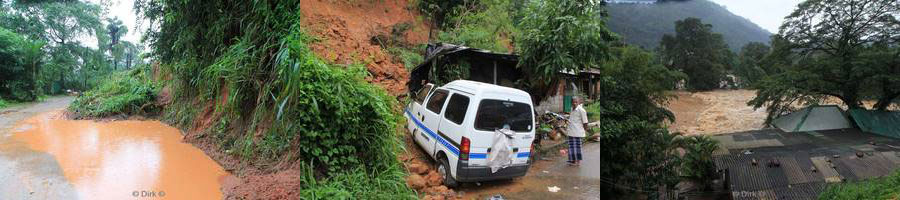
348,29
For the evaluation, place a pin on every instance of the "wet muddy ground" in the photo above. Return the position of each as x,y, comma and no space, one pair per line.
582,182
47,157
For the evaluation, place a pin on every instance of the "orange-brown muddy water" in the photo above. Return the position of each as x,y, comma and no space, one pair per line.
121,159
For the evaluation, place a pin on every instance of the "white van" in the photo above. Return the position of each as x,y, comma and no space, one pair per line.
455,125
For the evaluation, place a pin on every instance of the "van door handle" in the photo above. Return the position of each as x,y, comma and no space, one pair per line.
424,136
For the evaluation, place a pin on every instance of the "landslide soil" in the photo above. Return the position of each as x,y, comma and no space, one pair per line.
346,29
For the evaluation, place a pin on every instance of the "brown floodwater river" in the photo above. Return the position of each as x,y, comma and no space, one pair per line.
117,160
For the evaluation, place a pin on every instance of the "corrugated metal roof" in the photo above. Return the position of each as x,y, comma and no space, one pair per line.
797,154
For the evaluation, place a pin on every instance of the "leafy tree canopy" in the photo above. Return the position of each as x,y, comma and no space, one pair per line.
487,24
639,151
750,67
63,25
562,35
698,52
20,60
843,49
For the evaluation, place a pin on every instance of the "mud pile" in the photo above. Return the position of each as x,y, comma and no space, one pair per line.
346,29
423,176
428,181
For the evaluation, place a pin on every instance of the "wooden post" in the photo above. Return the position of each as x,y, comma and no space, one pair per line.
495,72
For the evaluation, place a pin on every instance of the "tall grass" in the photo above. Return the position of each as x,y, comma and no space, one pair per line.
880,188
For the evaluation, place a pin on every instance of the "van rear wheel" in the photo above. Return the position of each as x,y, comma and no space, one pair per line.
444,170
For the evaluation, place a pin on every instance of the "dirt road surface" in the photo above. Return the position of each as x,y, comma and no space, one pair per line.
582,182
43,156
25,173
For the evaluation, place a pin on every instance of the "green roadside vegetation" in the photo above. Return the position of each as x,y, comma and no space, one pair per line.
20,60
43,49
880,188
4,103
129,92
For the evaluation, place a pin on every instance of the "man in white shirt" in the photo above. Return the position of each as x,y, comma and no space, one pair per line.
576,131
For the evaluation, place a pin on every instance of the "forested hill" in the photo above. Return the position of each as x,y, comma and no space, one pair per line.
645,24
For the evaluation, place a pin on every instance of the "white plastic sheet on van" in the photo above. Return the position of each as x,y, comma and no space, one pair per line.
501,155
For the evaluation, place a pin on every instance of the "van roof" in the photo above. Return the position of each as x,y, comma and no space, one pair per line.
481,88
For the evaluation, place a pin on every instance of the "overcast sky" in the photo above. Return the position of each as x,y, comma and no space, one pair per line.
768,14
123,10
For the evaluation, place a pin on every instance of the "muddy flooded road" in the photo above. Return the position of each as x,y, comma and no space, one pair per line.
582,182
46,157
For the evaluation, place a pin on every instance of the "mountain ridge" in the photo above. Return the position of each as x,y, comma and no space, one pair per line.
645,24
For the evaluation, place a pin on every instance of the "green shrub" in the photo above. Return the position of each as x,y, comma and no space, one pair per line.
20,61
488,24
439,10
410,57
357,183
332,114
628,109
880,188
697,164
122,93
3,103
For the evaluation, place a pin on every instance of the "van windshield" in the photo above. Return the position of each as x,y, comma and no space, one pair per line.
495,114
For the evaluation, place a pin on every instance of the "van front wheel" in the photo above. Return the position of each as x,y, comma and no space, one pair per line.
444,169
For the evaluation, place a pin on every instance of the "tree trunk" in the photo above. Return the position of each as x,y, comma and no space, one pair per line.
128,60
851,95
62,81
885,101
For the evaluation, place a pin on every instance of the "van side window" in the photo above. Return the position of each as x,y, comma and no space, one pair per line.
436,102
420,97
456,108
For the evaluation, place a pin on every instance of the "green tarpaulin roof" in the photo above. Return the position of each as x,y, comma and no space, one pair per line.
877,122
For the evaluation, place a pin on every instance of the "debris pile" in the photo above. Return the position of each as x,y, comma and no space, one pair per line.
428,182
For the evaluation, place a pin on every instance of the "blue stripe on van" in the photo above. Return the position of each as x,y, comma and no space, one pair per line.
431,133
523,155
449,146
484,156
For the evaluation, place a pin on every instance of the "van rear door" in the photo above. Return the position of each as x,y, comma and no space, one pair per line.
494,114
